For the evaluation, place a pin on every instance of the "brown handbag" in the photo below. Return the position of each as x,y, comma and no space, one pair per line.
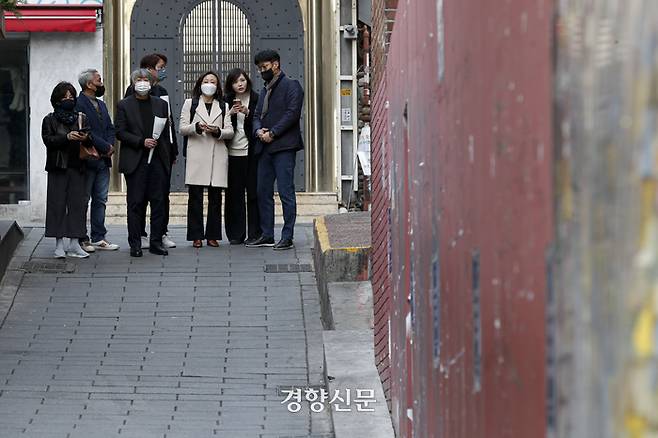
86,152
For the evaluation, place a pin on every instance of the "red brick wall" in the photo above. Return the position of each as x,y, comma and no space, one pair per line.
383,15
381,234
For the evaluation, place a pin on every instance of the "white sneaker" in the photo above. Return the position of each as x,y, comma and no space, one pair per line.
145,242
167,242
87,246
60,253
77,253
104,245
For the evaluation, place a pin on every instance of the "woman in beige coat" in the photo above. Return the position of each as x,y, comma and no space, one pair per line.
205,123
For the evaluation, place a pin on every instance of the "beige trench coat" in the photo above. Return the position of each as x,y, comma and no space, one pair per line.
207,156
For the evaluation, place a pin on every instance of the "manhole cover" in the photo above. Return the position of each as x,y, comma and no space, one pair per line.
288,268
48,267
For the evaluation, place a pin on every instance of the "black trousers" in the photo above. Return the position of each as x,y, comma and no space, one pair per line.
195,213
242,176
148,183
66,204
166,209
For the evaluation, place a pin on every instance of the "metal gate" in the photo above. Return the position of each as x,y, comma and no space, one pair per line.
216,35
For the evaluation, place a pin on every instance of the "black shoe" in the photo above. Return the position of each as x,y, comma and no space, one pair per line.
251,240
284,244
158,249
261,241
136,252
236,242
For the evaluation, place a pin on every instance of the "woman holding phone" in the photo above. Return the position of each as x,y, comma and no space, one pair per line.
242,162
63,131
205,123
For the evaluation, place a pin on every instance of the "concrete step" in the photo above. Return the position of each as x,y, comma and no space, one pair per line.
350,364
309,206
350,305
342,251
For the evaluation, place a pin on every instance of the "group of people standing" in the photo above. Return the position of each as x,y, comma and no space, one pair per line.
235,141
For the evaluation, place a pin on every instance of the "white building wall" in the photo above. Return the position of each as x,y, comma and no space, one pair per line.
54,57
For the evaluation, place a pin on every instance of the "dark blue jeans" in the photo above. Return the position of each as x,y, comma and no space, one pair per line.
98,185
279,167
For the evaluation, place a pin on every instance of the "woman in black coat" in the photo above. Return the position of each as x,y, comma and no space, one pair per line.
66,205
242,162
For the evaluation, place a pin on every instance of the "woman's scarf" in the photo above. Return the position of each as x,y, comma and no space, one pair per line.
66,117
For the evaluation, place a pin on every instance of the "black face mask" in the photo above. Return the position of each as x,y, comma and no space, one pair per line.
267,75
67,104
100,90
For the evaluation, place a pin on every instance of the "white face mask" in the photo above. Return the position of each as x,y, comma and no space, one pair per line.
142,87
208,89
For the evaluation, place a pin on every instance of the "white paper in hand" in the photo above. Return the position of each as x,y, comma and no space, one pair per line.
158,126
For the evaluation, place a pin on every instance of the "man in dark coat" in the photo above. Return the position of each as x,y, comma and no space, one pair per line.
156,64
278,129
98,171
146,182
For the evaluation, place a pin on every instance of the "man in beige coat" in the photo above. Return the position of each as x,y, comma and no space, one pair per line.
205,123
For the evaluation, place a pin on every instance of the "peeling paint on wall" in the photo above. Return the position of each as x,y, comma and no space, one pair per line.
440,35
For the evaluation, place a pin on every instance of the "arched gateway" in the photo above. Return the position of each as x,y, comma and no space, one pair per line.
197,36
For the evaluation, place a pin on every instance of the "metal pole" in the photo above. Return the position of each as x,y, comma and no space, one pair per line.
110,36
116,63
320,160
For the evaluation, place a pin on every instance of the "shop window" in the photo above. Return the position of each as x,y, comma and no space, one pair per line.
13,122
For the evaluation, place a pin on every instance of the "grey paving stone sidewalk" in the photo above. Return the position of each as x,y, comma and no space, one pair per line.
197,344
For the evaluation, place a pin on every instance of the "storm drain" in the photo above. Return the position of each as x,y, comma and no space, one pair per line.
288,268
48,267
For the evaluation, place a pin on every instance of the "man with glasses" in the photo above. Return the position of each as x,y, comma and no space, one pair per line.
277,126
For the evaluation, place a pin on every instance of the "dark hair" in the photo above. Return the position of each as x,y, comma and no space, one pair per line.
151,60
60,91
267,56
196,91
232,78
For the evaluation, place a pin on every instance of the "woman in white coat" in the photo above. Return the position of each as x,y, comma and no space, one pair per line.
205,122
